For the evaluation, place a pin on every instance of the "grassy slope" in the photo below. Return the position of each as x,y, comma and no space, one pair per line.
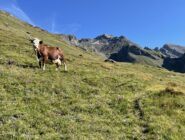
93,100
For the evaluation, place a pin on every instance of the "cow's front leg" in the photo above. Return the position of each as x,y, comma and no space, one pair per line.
44,62
40,64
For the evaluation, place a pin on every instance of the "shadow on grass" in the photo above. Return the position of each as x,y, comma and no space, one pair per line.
170,91
14,63
27,66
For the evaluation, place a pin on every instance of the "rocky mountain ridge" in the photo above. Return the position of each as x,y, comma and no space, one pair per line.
121,49
172,51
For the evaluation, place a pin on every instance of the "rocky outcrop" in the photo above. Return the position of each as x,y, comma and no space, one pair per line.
172,51
175,64
70,39
125,54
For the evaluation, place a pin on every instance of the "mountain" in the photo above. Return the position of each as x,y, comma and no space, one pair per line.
174,57
121,49
93,100
172,51
117,48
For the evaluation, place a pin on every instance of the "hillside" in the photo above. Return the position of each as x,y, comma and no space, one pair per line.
93,100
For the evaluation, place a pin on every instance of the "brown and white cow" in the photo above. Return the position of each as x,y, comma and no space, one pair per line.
45,53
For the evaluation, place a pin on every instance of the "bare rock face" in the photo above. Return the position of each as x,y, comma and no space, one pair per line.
70,39
175,64
172,51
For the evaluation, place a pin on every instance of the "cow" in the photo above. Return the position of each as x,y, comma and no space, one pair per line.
45,52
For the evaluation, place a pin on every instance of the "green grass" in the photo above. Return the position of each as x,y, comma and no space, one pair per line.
93,100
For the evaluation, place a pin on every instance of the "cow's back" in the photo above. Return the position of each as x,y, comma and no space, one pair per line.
52,53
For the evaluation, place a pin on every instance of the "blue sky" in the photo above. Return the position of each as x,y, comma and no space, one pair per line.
147,22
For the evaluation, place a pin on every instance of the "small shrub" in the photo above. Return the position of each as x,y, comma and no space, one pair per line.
170,91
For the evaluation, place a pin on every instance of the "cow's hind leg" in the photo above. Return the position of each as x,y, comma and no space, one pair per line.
40,64
65,66
57,66
58,63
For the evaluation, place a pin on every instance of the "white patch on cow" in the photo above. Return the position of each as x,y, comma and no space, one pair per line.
36,42
57,61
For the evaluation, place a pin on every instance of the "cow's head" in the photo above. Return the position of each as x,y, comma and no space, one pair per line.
36,42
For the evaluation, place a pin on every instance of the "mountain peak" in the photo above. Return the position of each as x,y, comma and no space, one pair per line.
173,51
104,36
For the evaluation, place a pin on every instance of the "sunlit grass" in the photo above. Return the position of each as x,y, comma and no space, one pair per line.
93,100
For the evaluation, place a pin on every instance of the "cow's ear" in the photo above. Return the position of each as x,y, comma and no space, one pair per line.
41,42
